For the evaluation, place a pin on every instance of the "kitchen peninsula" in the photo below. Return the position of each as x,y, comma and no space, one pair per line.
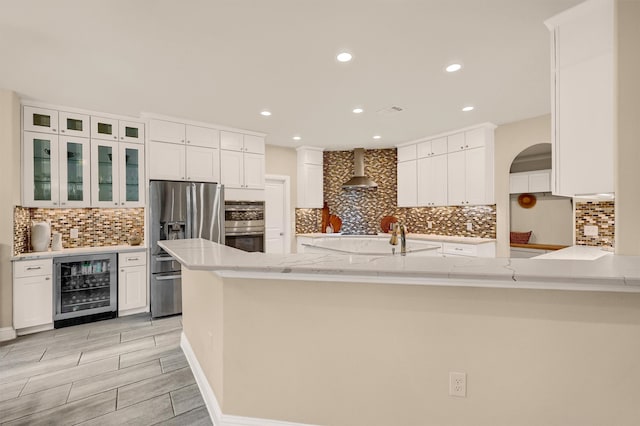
354,340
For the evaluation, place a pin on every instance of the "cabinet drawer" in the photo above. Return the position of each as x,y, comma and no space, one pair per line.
135,258
460,249
32,268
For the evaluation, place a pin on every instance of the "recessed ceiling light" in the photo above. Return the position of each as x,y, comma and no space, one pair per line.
265,113
468,108
454,68
344,57
357,110
377,137
296,138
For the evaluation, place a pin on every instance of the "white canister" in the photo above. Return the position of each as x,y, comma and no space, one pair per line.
56,241
40,235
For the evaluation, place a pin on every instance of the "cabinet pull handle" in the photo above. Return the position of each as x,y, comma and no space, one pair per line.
121,269
53,130
33,268
133,258
55,204
47,278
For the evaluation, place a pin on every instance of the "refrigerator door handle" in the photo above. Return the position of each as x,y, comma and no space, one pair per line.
188,232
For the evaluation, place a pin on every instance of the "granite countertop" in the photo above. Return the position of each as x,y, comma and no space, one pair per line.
607,273
411,236
76,252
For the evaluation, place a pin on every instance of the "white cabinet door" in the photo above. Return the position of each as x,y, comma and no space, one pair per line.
439,146
407,153
40,120
475,138
131,131
203,164
105,175
439,180
231,141
203,136
407,184
104,128
32,301
313,187
132,287
455,142
73,124
231,168
424,173
423,149
253,144
475,177
166,161
518,183
540,181
456,173
166,131
40,184
75,171
254,171
131,177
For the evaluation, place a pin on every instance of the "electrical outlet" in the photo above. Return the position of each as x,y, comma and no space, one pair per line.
590,231
458,384
73,233
469,226
429,224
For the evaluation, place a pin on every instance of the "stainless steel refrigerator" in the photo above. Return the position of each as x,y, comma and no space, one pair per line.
179,210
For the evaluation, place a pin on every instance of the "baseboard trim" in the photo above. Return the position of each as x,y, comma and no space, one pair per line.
218,418
7,333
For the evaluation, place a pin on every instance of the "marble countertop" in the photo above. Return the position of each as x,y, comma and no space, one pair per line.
577,253
608,273
411,236
76,252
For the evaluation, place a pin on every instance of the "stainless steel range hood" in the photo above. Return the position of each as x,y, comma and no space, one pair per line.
359,180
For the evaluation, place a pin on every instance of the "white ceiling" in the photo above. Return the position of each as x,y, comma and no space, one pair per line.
223,61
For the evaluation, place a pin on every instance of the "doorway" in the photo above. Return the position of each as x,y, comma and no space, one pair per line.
277,214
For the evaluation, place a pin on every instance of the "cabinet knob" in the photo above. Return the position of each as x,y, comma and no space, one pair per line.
47,278
188,141
122,204
61,130
115,137
116,204
121,137
62,204
461,147
182,140
53,130
55,204
466,146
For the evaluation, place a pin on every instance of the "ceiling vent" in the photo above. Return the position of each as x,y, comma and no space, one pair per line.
392,110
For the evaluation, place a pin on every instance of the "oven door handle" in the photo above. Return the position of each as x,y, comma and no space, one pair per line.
168,277
241,234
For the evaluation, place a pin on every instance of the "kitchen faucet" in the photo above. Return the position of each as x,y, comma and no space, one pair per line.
399,228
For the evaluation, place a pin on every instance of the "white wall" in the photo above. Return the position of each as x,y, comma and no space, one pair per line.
551,219
9,194
511,139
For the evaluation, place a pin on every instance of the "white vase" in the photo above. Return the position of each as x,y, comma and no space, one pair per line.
40,235
56,241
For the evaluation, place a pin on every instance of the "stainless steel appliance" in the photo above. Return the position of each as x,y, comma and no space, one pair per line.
179,210
85,289
244,225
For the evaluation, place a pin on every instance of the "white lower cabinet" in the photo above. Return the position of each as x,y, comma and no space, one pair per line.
132,282
32,293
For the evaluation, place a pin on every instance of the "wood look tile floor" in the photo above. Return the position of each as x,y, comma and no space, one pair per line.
125,371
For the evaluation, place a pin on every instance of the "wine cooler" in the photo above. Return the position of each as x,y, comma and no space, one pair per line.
85,289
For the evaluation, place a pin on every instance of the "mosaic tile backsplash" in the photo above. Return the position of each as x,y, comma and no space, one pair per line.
362,210
600,214
96,227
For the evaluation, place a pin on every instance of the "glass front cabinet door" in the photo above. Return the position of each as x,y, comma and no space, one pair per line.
131,175
104,174
73,124
74,171
40,170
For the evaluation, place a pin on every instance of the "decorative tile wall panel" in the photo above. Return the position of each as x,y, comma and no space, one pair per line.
96,227
596,213
362,210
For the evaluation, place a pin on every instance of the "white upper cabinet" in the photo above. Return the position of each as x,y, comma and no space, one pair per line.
167,131
74,171
104,128
583,89
203,136
242,162
40,179
310,177
131,179
131,132
451,169
40,120
74,124
533,181
180,151
117,174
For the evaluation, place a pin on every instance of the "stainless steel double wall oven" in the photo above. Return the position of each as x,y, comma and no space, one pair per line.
244,225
